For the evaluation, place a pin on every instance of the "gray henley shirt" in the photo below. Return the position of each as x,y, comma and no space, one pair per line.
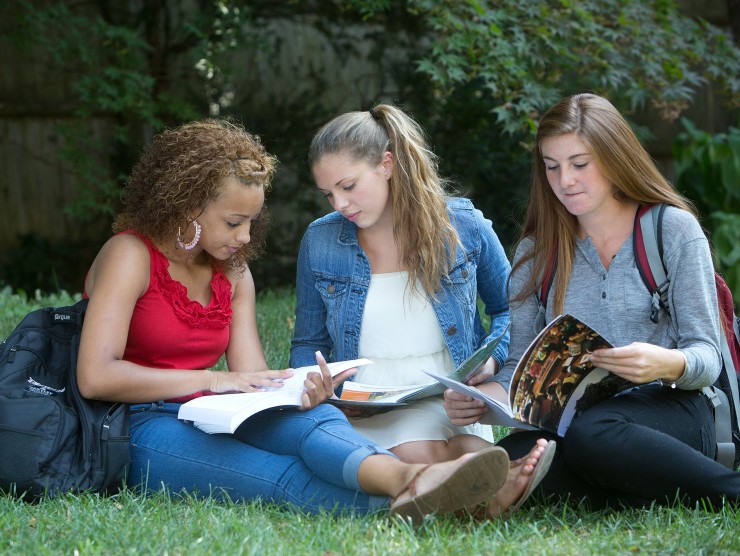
616,303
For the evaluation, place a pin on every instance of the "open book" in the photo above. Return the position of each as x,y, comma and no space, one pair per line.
369,395
554,378
223,413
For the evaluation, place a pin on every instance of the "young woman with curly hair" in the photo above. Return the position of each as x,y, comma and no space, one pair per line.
171,292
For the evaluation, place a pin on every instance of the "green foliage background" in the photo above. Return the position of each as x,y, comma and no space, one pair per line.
475,73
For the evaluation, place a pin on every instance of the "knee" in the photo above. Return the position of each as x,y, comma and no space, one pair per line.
426,451
326,413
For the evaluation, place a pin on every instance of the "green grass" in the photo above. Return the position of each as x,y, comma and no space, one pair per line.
128,523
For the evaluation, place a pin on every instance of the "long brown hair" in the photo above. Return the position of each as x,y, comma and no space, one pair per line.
183,170
619,156
422,229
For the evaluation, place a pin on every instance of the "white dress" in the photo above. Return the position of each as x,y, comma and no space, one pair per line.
401,335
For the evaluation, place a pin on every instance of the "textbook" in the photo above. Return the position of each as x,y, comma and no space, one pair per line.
554,379
223,413
361,395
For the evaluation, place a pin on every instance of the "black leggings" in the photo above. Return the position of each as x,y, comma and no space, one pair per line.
650,444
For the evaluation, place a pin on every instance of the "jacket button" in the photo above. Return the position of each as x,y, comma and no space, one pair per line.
331,288
464,273
451,330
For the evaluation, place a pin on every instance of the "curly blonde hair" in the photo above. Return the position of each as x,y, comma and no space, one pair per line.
183,171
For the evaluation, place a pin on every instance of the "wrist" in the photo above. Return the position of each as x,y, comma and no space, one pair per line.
680,368
211,381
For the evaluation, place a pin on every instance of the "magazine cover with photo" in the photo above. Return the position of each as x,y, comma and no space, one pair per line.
554,379
556,364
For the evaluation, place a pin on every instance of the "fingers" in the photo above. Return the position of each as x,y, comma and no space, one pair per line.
458,398
462,409
484,372
639,362
316,390
351,411
337,380
234,381
480,377
273,379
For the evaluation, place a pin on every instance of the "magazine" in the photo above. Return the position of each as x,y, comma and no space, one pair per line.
368,395
223,413
554,378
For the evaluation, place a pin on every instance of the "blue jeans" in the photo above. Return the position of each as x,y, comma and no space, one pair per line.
306,459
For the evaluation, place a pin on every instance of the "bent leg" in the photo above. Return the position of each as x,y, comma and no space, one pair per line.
322,438
437,451
651,444
169,453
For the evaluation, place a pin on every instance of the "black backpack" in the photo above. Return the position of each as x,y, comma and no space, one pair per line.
53,440
647,242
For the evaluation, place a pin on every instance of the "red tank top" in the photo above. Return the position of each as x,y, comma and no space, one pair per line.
170,331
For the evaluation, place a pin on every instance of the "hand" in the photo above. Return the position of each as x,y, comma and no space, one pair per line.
352,411
242,381
641,362
461,409
337,380
484,372
319,386
362,411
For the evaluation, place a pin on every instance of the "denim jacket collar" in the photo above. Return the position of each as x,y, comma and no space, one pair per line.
348,233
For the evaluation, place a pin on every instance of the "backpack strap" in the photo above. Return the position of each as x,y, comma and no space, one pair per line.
727,416
647,240
722,425
647,243
723,403
547,279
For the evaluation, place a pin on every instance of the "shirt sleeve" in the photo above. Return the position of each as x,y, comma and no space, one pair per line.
492,274
523,317
692,298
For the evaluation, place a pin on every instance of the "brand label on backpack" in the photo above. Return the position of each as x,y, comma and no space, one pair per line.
42,389
62,317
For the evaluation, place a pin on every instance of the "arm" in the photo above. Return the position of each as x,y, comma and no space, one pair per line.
246,355
690,355
118,277
492,274
463,410
523,318
310,333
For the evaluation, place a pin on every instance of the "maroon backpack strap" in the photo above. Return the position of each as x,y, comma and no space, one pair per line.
547,279
548,275
638,245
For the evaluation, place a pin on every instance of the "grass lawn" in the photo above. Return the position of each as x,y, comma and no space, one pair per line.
161,524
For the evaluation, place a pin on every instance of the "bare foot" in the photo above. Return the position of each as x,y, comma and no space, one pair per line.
516,489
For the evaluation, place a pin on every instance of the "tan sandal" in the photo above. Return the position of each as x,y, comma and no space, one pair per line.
475,478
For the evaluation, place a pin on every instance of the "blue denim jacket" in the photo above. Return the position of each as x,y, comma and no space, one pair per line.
333,278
